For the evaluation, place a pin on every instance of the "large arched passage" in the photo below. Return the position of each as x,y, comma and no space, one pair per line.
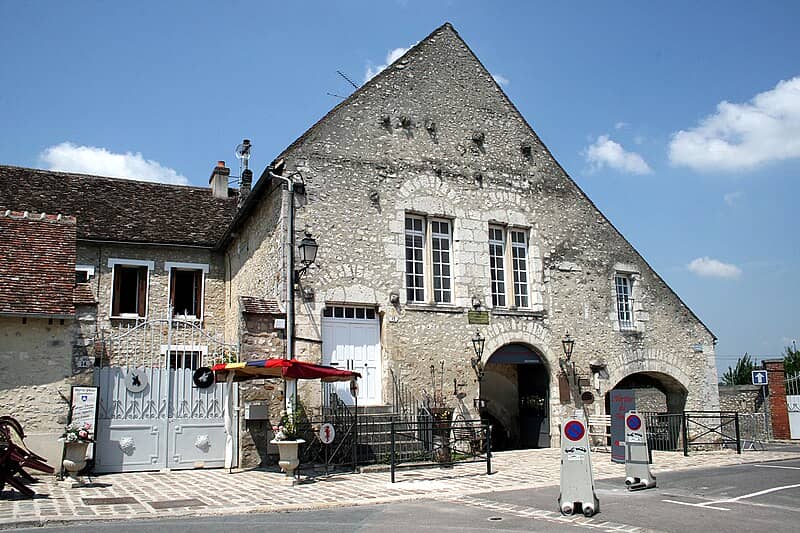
654,392
515,394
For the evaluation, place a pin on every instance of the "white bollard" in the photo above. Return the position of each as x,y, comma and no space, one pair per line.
637,464
577,481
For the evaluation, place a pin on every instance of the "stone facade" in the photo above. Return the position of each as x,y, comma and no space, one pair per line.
434,136
98,256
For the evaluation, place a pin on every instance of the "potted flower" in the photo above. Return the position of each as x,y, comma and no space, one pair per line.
287,440
76,438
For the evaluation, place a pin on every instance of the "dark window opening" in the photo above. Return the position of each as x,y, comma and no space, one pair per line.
130,291
186,292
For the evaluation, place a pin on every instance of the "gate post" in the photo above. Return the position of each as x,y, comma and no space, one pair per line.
685,431
778,411
738,434
391,453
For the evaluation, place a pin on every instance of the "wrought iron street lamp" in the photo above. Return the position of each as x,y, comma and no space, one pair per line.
478,342
568,343
308,250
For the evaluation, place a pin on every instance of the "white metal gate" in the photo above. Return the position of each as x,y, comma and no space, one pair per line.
793,403
351,340
151,414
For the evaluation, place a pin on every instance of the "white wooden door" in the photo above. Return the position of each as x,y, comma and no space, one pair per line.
351,340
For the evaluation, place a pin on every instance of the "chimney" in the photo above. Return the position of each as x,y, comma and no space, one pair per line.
244,188
219,180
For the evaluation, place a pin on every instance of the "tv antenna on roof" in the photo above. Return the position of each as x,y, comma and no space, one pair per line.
243,154
351,82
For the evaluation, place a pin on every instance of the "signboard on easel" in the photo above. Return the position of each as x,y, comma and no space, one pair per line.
83,409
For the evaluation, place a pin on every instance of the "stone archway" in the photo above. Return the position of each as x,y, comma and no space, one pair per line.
654,392
515,390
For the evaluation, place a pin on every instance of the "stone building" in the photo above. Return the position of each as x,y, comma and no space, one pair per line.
439,213
133,252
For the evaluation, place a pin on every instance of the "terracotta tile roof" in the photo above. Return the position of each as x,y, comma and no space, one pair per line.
37,264
114,209
83,295
260,306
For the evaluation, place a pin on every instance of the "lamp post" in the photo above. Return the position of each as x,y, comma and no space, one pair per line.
478,342
568,367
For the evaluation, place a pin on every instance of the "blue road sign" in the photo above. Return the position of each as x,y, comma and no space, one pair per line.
760,377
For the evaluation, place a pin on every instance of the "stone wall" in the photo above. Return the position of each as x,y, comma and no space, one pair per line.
35,378
434,136
98,256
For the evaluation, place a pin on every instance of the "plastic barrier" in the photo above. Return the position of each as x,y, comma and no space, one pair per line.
577,481
637,464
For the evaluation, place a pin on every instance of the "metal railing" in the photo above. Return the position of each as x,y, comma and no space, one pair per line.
708,429
440,442
664,431
678,432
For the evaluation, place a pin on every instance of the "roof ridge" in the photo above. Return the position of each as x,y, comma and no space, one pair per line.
34,216
109,178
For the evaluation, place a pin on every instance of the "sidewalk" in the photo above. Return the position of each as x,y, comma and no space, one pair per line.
217,492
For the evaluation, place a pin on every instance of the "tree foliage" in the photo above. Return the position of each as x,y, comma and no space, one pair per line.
741,374
791,360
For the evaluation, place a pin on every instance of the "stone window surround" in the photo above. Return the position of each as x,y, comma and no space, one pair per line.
427,247
204,268
639,315
508,264
113,262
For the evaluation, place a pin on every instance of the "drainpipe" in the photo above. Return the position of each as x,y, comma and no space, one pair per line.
289,385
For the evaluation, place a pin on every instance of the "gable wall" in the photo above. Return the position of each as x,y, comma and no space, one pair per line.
364,175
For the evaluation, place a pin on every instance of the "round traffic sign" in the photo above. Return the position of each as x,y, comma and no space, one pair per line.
327,433
574,430
634,422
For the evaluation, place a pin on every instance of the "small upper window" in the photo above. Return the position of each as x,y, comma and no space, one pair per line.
83,273
624,295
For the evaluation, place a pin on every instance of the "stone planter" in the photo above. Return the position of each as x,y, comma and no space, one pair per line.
287,450
74,461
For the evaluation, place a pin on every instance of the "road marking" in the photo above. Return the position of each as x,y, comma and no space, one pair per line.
697,505
776,466
753,494
713,504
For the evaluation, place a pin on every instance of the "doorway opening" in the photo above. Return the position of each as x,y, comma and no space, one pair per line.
515,394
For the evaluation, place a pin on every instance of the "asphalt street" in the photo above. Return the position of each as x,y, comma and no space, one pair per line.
749,497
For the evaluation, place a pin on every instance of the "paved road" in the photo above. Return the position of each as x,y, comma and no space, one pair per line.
752,497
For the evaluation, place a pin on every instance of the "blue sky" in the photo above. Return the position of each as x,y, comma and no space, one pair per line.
681,121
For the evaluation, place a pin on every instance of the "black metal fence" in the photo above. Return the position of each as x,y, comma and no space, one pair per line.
680,432
711,429
439,442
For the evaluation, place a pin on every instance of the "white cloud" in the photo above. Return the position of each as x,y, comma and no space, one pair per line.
69,157
744,136
605,152
391,57
501,80
713,268
619,125
732,198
